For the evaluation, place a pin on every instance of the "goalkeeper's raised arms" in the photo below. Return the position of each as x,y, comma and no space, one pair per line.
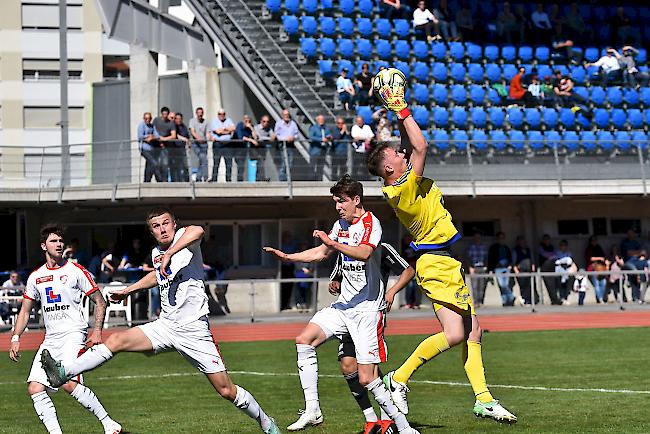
390,86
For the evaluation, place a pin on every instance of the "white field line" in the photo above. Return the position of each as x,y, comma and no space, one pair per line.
437,383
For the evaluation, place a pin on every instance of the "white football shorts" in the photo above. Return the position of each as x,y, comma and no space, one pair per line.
65,350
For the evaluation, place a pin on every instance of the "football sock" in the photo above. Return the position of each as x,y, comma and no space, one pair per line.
88,399
382,396
247,403
46,412
360,393
473,362
427,350
383,415
308,372
92,358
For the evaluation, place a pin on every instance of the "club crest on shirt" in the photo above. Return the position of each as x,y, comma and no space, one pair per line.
44,279
64,278
343,233
157,259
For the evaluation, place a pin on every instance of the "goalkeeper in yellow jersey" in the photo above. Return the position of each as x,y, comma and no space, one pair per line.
419,206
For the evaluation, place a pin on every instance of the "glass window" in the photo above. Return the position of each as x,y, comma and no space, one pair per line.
49,117
218,246
46,16
621,226
252,237
573,227
50,68
487,228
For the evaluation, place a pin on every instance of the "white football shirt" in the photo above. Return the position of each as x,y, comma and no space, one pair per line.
182,294
60,290
362,287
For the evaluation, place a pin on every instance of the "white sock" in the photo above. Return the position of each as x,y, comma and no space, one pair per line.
370,414
308,372
92,358
88,399
247,403
382,396
384,416
46,412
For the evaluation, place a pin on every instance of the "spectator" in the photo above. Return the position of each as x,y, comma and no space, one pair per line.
445,22
465,23
562,47
340,142
507,24
523,261
149,148
500,262
221,129
362,137
476,257
108,264
303,270
638,282
580,285
178,151
134,257
320,138
630,246
554,16
631,252
265,138
576,26
200,137
413,295
245,134
287,270
384,130
14,282
517,90
610,69
622,28
425,21
631,75
545,251
568,97
563,264
286,132
164,125
616,279
391,7
541,24
345,89
74,253
536,91
596,261
364,85
525,24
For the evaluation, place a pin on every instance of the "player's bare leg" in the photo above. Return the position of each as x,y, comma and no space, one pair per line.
310,338
242,399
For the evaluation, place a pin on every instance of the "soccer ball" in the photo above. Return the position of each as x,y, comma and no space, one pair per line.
391,77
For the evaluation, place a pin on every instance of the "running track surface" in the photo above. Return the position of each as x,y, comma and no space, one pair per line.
269,331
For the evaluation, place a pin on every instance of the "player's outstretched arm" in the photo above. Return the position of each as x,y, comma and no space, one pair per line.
314,254
411,132
148,281
100,312
361,252
19,328
191,235
401,283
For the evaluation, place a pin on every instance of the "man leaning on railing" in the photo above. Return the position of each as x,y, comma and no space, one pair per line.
148,140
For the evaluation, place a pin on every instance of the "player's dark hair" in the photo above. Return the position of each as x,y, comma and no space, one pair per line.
159,210
347,186
375,159
51,228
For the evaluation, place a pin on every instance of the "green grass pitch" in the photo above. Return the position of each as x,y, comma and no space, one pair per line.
154,400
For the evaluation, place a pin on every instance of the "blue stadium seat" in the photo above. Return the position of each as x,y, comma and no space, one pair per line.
310,6
421,94
517,140
493,72
459,94
346,48
543,71
364,27
578,74
427,135
619,118
292,6
421,71
327,4
309,25
441,140
384,49
379,64
497,117
533,118
494,97
475,72
459,117
551,117
567,118
359,65
592,72
644,96
509,53
640,138
582,91
347,7
439,94
635,118
274,6
459,138
474,52
614,96
402,28
364,49
439,72
601,118
553,138
477,94
457,51
588,140
562,68
478,117
366,113
542,54
421,50
325,68
308,47
479,140
515,117
290,24
421,116
642,57
439,51
404,67
535,140
605,140
344,64
384,28
592,54
457,72
570,140
623,140
631,97
402,49
491,53
440,117
498,139
525,53
509,71
598,95
366,7
327,26
346,26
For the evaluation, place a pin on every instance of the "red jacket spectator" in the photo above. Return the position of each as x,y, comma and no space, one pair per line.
517,91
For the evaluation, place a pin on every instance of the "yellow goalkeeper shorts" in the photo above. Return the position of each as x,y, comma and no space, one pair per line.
442,281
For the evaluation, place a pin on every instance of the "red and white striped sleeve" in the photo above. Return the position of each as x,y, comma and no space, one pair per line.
31,291
371,231
85,280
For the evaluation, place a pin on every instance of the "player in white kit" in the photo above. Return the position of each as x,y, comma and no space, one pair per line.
59,285
183,324
358,309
